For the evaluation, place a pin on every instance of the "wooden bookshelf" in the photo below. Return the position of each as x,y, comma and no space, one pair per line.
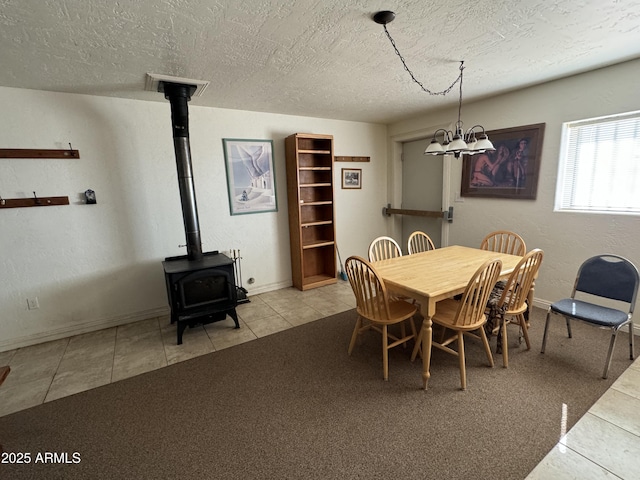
311,209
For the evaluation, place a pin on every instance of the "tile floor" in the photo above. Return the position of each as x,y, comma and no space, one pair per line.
600,445
52,370
605,442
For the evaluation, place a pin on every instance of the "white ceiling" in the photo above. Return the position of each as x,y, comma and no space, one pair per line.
320,58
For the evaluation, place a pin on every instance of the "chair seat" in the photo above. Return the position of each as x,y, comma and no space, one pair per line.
446,315
589,312
399,310
446,309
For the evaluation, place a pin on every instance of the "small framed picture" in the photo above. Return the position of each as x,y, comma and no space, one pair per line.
351,178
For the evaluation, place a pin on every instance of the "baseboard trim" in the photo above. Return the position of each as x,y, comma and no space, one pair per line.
103,323
268,288
544,304
79,329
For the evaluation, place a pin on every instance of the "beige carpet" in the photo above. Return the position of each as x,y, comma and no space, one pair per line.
294,406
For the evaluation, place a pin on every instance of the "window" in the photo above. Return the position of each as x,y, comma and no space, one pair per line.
599,169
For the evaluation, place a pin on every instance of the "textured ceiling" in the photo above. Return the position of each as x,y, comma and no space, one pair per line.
321,58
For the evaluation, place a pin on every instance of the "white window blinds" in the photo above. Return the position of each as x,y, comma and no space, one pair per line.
599,167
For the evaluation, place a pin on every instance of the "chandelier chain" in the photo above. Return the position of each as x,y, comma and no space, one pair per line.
457,142
425,89
460,98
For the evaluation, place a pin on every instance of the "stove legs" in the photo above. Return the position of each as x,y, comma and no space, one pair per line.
192,322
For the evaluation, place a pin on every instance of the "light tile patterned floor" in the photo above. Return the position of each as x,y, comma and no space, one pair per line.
603,444
56,369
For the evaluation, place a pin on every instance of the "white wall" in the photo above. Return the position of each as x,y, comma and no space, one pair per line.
93,266
566,238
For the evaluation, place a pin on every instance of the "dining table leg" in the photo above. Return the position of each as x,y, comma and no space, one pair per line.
424,341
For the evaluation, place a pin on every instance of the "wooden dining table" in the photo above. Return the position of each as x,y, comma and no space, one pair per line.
435,275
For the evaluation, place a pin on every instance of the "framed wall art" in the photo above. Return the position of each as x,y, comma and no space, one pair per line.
511,171
351,178
250,176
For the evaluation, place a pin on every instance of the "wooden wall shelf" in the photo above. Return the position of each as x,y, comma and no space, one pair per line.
352,159
33,202
37,153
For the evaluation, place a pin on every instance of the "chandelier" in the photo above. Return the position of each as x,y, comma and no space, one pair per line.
458,142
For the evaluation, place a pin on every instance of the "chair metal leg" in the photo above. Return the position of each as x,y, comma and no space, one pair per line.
612,344
568,327
546,330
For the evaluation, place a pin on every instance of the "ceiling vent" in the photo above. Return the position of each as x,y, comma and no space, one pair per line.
155,83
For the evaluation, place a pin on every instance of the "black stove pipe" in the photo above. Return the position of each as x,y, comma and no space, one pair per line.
178,95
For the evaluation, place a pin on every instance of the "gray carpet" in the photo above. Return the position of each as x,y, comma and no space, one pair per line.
294,405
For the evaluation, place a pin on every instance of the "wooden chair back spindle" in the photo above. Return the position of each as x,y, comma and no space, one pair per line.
419,242
504,241
474,299
383,248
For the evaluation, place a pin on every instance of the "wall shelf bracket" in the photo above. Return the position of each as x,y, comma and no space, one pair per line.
38,153
351,159
33,202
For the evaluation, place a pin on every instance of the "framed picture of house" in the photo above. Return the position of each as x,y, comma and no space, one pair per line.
250,176
511,171
351,178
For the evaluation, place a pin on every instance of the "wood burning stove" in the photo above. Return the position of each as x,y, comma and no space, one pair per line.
201,287
200,291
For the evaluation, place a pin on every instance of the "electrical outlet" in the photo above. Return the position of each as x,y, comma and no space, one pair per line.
32,303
